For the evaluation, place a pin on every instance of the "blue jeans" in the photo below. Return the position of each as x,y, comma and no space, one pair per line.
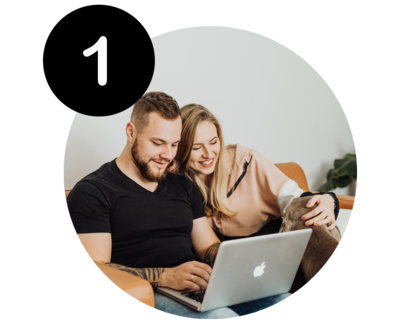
257,305
168,305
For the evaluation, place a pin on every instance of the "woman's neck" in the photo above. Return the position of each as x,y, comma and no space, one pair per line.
207,179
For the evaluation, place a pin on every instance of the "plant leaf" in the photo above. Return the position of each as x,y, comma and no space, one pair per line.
345,167
329,174
328,186
344,172
330,183
351,156
344,181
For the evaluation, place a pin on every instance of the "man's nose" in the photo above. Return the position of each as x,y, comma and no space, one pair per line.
167,153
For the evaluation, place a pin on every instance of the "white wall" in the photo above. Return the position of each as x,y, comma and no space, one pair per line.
265,96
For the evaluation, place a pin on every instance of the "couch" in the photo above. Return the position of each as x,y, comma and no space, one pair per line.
142,290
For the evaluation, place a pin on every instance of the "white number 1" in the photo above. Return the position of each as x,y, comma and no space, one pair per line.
101,48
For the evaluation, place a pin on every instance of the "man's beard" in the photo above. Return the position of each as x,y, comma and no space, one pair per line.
144,167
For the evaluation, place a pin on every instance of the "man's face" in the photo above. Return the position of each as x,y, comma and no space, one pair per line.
155,148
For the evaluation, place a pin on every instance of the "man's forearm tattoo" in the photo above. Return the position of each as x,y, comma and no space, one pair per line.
211,254
152,275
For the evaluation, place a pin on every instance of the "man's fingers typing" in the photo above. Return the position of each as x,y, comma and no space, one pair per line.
203,266
191,275
197,273
199,281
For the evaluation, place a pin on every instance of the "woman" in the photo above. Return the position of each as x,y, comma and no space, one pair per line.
244,193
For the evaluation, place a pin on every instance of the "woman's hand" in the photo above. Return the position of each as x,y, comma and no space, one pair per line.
325,209
174,167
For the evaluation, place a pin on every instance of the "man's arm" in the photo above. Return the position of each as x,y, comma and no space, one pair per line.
205,242
193,275
152,275
98,246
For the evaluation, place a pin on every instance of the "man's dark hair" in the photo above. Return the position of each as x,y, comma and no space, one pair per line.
158,102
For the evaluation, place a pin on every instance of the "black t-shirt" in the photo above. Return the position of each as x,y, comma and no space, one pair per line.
148,229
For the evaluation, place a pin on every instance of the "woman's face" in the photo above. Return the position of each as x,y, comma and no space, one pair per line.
205,149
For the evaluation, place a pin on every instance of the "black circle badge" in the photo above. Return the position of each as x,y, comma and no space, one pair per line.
98,60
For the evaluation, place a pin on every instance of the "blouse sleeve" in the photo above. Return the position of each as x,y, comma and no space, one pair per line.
278,190
288,192
268,188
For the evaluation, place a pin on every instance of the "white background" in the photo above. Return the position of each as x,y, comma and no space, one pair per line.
265,96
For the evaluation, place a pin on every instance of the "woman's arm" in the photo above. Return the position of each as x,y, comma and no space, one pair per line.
287,189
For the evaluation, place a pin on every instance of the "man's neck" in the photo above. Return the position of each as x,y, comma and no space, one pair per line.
127,166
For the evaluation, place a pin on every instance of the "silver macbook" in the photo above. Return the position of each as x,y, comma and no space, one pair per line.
248,269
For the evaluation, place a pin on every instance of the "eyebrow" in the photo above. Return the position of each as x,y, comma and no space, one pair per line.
209,141
161,140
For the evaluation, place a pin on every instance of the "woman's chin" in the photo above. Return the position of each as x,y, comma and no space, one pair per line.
205,171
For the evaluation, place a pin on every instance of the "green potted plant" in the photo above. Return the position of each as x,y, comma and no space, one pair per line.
343,174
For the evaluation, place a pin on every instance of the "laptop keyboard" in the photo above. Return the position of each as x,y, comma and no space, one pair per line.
195,295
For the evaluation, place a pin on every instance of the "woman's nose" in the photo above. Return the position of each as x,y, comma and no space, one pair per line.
206,152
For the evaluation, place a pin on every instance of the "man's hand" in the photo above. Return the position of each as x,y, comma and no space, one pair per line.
324,212
179,278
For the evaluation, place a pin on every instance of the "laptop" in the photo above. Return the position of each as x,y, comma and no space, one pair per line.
248,269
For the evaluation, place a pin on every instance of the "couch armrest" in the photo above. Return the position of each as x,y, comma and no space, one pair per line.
67,193
294,172
134,286
345,201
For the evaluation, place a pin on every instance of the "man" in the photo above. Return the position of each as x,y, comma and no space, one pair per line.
134,216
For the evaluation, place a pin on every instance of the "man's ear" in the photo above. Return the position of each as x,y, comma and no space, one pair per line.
131,132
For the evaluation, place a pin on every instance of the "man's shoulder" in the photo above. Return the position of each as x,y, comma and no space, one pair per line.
103,173
180,181
95,181
177,179
187,189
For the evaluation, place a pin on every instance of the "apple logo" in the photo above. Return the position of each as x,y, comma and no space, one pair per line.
259,270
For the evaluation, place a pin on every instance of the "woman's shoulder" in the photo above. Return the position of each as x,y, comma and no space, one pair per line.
239,153
231,150
242,157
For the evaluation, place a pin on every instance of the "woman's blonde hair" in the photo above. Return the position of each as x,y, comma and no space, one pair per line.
215,197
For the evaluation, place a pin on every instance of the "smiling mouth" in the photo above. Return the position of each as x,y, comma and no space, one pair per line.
160,164
207,163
